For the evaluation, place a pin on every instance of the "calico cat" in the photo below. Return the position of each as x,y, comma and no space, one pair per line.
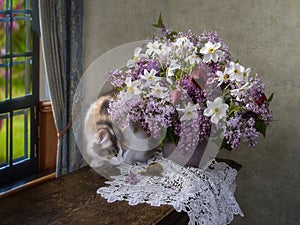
105,142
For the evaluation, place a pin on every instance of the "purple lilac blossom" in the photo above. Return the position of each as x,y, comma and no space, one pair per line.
146,64
117,78
240,129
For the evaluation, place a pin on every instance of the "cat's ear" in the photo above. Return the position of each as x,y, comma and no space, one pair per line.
104,138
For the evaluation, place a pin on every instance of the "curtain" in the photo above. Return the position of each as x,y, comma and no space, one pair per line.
61,34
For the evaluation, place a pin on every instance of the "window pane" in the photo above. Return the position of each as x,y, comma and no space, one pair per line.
4,139
21,79
22,4
4,34
4,79
21,134
22,41
5,5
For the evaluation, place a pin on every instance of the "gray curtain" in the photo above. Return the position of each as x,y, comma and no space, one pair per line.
61,30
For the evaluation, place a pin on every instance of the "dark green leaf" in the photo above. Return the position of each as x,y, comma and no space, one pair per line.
159,22
271,97
172,35
171,136
225,145
261,127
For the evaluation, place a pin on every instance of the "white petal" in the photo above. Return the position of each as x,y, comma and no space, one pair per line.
128,81
215,119
248,70
137,51
218,101
207,58
209,104
208,112
130,63
204,50
217,45
152,72
219,73
214,57
149,51
220,53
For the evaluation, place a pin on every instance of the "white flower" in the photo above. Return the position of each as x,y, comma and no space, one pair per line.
170,70
153,47
235,71
164,52
192,59
245,74
132,86
150,76
158,91
190,112
211,52
222,77
240,90
184,42
216,109
136,56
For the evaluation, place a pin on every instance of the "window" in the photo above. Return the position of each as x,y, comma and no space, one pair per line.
19,89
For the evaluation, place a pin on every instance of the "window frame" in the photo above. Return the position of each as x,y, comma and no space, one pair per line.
29,166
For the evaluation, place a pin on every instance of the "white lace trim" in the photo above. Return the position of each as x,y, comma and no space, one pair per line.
206,195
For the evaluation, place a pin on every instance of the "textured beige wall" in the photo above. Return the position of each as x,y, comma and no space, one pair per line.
263,34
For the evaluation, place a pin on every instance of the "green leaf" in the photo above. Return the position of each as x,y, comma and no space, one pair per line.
271,97
233,108
261,127
171,136
172,35
225,145
159,22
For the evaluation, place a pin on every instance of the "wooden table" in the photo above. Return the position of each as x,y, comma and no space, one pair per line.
72,199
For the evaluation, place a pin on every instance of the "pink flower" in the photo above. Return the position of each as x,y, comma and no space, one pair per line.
175,95
199,78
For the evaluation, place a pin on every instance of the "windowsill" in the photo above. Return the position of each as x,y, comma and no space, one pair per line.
25,183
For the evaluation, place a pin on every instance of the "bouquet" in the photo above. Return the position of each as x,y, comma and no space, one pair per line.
188,85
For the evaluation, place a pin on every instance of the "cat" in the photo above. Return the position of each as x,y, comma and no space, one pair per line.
106,142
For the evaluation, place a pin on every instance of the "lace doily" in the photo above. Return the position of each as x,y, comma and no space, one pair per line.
207,196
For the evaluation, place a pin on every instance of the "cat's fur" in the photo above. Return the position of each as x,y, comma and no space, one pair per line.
102,142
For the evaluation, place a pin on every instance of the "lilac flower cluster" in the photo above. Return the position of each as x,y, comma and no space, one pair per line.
255,101
197,96
146,64
239,129
117,78
189,83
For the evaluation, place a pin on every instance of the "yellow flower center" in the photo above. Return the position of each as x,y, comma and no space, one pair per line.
158,91
245,74
211,50
149,78
167,70
235,71
189,113
225,76
216,110
130,89
135,59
